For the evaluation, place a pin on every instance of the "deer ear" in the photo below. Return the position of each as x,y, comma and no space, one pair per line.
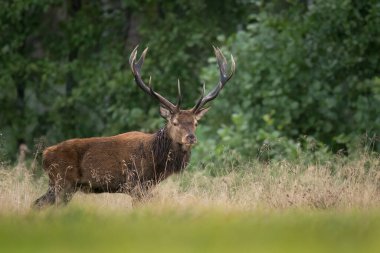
201,113
165,113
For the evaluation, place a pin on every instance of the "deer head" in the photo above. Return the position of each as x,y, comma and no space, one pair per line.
181,124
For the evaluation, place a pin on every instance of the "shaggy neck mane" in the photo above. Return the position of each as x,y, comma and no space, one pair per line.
168,155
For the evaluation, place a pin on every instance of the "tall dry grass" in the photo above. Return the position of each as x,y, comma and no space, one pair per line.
17,189
340,183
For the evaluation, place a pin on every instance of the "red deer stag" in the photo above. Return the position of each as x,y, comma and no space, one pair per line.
131,162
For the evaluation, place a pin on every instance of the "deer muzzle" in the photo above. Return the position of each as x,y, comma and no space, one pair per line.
190,139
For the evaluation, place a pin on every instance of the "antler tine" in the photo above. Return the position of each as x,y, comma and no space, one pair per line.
224,78
179,99
136,71
196,107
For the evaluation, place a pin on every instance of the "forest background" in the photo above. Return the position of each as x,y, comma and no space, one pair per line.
307,72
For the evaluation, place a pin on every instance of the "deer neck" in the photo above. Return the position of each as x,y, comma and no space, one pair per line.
169,154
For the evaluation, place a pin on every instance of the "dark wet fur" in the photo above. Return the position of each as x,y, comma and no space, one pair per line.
169,156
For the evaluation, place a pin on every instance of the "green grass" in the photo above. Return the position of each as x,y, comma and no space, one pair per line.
144,230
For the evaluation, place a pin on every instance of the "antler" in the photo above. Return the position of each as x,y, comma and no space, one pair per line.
136,71
224,78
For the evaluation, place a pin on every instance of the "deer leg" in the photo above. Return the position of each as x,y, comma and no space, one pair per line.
47,199
64,193
141,193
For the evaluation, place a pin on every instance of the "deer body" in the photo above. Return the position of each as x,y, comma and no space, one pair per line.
132,162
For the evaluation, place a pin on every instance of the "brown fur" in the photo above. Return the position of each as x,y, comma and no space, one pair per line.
132,162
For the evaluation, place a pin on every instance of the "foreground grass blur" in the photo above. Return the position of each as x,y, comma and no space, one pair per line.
145,230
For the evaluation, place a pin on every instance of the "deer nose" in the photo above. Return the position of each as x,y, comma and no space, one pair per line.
191,139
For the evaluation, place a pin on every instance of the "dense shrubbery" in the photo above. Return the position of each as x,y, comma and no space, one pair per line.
307,79
307,74
64,64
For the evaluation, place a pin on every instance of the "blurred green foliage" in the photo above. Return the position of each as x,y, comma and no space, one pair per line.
308,78
307,71
76,229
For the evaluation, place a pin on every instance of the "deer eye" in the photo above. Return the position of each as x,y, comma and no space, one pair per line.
175,123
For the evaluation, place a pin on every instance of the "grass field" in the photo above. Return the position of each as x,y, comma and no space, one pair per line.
144,230
256,207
